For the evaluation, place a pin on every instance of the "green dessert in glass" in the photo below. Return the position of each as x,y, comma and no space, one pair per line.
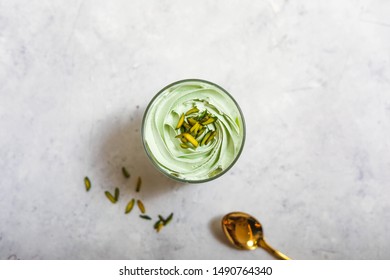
193,131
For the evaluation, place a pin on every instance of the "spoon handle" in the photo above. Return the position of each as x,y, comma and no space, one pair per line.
271,250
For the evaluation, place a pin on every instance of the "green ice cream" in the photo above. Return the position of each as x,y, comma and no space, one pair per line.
205,161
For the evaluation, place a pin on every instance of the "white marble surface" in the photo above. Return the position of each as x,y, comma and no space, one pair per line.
313,81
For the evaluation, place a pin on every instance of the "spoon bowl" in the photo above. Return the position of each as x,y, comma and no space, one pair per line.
246,232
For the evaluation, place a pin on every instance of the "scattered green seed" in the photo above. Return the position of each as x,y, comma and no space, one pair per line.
116,194
168,220
125,172
110,197
87,183
158,225
130,206
141,206
146,217
138,186
162,222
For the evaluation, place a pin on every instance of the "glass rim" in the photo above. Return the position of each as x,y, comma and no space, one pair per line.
149,153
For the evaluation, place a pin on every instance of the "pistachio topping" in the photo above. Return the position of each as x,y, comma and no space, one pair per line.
184,146
193,124
212,135
181,121
190,139
191,111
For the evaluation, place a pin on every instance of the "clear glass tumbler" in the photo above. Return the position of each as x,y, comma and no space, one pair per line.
193,131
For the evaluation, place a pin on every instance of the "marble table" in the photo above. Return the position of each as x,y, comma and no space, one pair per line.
313,81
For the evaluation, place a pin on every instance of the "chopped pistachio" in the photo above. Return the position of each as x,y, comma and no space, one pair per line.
209,121
146,217
139,183
205,138
158,225
202,115
141,206
192,111
186,126
129,206
162,222
181,121
168,219
110,197
191,139
195,127
87,183
184,146
211,137
191,121
205,118
125,172
116,194
200,132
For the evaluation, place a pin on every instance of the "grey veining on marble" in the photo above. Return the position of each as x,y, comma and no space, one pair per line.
313,81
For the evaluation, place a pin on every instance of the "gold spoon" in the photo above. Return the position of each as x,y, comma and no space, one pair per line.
245,232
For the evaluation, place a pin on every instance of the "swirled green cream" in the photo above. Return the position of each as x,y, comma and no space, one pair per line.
181,150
